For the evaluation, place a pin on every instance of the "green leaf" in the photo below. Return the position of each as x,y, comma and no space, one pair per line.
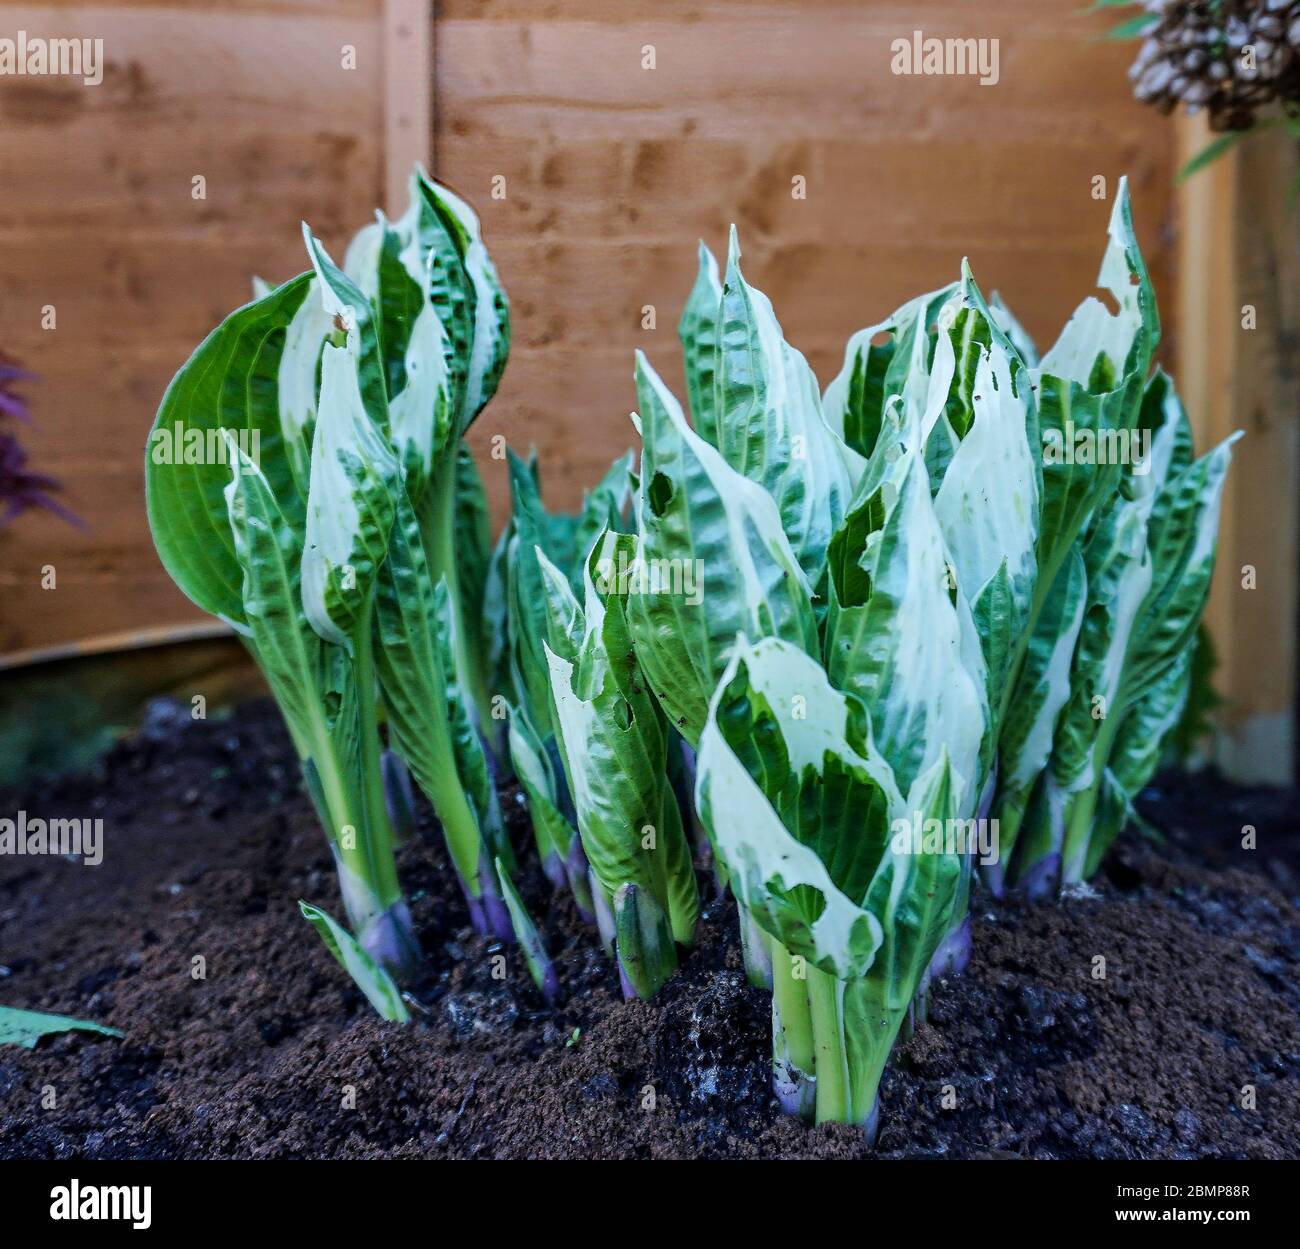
1212,151
1041,690
268,550
467,746
999,618
1147,726
533,530
603,508
26,1027
467,293
646,953
426,718
855,401
804,811
786,776
988,505
430,245
1182,543
699,333
420,414
369,977
1134,26
914,895
1167,434
1125,338
553,832
1119,575
495,638
1196,721
473,530
351,310
1112,814
966,336
354,477
713,561
613,743
1149,557
1091,388
769,423
540,967
233,381
1100,352
388,267
928,696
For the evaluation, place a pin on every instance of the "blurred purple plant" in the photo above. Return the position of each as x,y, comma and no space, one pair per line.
20,488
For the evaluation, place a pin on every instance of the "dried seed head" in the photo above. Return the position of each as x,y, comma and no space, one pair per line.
1230,57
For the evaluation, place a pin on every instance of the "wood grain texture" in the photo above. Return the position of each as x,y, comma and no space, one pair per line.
612,172
98,221
1239,247
408,95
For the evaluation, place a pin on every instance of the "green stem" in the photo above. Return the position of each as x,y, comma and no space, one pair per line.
869,1045
757,952
1010,817
794,1080
437,510
833,1104
459,824
1083,806
382,872
342,808
791,997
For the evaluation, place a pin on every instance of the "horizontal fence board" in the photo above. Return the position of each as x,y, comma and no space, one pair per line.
99,221
612,174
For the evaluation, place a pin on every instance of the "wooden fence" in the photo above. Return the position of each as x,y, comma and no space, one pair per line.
598,142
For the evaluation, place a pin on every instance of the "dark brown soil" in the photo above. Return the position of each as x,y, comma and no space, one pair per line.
209,843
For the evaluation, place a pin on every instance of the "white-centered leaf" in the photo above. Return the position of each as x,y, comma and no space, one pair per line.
350,505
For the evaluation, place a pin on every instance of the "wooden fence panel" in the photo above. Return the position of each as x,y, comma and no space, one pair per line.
1239,359
611,172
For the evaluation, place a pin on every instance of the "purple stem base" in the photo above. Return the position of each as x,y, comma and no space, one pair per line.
578,872
553,870
1043,879
795,1092
871,1126
488,915
953,955
390,940
629,991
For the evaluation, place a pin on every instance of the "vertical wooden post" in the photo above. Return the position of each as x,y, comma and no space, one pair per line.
1239,263
408,95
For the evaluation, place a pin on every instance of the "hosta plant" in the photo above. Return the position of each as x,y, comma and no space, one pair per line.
1110,664
306,483
613,741
808,816
564,540
830,673
908,541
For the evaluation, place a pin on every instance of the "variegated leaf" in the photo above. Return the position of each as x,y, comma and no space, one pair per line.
614,742
769,425
713,561
698,331
354,477
233,381
928,695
